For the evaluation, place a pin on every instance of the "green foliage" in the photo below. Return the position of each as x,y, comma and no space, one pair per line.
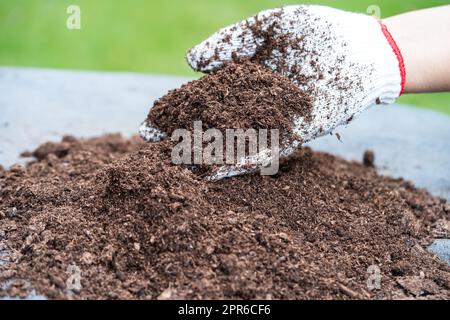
144,35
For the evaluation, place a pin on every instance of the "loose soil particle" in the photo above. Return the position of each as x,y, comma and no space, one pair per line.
369,158
139,227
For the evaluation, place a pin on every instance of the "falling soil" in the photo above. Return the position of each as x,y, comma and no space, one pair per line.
241,95
135,226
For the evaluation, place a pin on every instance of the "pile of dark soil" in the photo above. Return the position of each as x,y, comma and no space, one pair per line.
239,96
139,227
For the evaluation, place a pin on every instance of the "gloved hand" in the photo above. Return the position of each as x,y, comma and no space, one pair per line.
347,61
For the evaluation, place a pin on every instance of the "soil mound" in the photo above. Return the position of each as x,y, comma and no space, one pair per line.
136,226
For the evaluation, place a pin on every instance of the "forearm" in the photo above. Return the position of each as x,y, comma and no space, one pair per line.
424,39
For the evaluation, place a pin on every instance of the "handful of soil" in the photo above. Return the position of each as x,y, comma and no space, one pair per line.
138,227
242,95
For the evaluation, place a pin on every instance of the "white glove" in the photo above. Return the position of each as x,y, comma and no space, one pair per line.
348,61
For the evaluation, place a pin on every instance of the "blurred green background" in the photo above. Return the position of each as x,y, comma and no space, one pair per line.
146,35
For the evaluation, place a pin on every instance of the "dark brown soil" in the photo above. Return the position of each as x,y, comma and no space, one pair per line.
239,96
139,227
369,158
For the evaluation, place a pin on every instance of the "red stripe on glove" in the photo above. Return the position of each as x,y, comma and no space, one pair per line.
397,52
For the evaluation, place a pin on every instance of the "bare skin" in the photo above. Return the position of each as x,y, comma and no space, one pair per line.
424,39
